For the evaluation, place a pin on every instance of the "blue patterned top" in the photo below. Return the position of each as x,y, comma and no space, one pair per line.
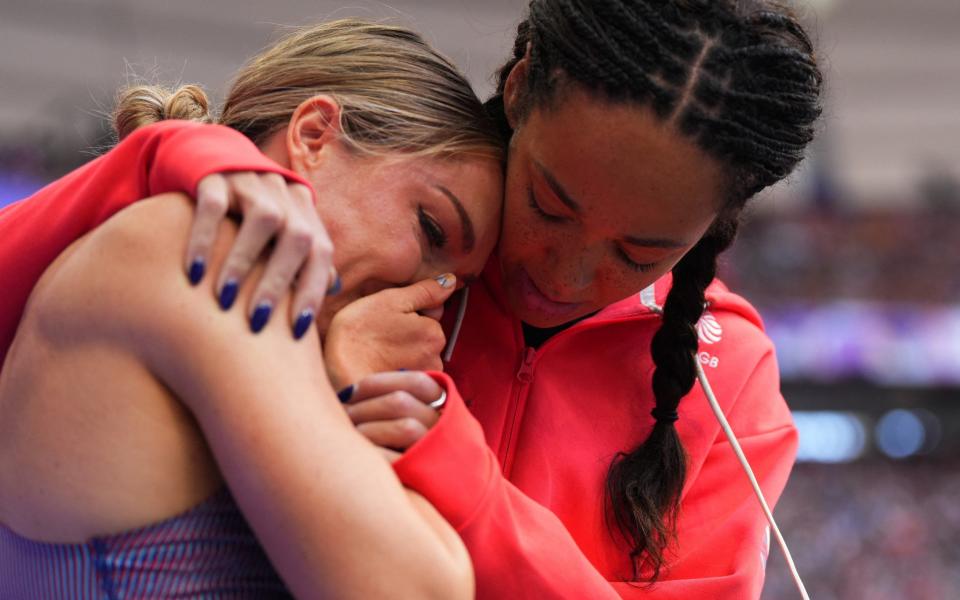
208,552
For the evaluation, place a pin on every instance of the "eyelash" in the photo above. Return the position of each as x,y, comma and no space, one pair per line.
631,264
535,206
435,234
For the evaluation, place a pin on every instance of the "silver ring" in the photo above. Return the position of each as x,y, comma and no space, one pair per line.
439,402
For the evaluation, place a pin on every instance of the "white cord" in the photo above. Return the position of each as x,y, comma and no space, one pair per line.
702,376
461,311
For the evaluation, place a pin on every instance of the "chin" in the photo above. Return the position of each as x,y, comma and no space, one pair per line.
539,319
529,304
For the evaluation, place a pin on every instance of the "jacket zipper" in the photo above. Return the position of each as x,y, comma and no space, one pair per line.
524,377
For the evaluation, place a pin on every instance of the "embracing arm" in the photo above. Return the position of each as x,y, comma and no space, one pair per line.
331,515
165,157
521,549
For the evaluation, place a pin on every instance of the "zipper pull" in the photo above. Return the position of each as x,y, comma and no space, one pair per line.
525,374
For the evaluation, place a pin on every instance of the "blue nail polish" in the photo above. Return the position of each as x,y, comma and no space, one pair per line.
302,324
228,294
345,394
336,287
260,316
401,369
197,268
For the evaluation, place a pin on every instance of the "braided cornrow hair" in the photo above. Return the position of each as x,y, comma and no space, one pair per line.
738,77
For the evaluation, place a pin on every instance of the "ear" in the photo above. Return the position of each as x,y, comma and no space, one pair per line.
314,126
514,90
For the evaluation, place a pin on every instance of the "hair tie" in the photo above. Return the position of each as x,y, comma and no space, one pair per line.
664,415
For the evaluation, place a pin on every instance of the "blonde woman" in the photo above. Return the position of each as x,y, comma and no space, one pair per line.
138,423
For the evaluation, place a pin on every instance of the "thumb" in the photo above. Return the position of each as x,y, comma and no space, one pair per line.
428,293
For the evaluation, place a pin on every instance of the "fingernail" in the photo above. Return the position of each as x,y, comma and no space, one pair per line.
228,294
302,324
197,268
446,280
345,394
260,316
335,287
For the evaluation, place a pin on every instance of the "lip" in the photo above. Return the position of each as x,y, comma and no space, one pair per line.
536,301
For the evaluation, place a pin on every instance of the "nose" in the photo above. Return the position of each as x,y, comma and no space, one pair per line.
574,271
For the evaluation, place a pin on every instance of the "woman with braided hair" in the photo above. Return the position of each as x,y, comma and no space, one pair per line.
640,129
575,456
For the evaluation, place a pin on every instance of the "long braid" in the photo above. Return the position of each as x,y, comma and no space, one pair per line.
653,500
739,78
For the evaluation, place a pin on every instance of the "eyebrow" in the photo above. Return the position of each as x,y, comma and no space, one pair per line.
572,204
469,237
653,242
558,189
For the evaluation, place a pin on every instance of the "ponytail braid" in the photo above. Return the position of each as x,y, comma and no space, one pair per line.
644,485
740,79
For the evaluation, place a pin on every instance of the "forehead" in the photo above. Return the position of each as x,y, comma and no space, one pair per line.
620,160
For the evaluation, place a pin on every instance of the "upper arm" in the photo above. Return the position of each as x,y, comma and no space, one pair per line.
298,469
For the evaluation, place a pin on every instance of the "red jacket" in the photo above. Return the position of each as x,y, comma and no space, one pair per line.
518,460
170,156
520,472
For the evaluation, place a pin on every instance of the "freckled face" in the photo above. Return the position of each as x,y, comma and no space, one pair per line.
395,221
602,199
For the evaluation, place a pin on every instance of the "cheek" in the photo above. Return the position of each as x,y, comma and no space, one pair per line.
614,283
380,253
399,257
524,234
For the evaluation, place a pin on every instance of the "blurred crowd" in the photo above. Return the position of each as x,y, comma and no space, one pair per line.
894,256
870,530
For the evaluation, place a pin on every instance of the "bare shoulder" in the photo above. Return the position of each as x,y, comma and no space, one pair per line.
99,282
124,283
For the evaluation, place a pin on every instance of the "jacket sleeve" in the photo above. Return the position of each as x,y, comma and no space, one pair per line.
170,156
723,537
522,550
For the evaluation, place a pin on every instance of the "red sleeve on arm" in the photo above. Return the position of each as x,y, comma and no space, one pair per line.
723,537
519,548
522,550
170,156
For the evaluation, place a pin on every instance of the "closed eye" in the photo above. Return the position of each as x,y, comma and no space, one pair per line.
634,265
435,234
535,206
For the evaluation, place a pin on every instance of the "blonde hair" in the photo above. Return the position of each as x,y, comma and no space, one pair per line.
396,94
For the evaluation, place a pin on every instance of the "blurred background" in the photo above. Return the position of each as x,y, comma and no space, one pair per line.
854,263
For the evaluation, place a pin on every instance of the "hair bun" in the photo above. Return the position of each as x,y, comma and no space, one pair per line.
143,105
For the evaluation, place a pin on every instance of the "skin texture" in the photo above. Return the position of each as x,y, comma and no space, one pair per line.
373,207
631,176
114,320
391,330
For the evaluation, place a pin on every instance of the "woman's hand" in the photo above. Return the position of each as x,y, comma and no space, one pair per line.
394,410
390,330
271,208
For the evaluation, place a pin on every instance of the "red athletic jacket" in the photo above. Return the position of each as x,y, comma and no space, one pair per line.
170,156
518,469
518,460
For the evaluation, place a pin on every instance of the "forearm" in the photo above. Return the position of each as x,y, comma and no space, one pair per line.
331,514
329,510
